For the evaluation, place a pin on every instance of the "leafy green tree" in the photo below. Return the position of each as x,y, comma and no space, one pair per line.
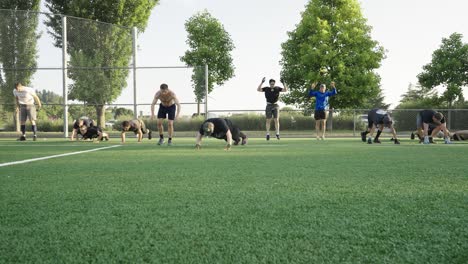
332,43
449,68
210,44
98,46
419,97
52,103
18,47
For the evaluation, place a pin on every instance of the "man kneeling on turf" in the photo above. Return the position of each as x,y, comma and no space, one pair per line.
137,126
221,128
427,117
381,118
93,132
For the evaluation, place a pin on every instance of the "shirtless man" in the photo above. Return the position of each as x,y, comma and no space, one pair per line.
167,108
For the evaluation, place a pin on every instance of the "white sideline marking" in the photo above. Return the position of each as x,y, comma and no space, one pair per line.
55,156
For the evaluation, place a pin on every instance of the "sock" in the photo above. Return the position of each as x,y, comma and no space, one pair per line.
161,136
34,129
170,139
366,132
268,133
23,129
378,135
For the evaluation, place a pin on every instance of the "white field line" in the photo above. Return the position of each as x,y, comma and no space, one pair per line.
54,156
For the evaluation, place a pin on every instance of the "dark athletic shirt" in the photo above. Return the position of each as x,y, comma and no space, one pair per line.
426,116
272,94
221,127
86,121
92,132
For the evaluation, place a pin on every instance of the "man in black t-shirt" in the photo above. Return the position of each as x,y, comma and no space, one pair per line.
221,128
427,117
381,118
93,132
136,126
84,120
272,108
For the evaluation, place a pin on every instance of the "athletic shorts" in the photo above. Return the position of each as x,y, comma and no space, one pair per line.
167,111
271,111
320,115
27,112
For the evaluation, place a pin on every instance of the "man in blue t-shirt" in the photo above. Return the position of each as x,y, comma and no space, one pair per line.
321,106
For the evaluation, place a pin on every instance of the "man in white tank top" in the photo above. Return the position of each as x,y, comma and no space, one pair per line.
25,98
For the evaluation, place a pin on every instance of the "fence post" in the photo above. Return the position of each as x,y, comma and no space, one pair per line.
135,106
354,123
206,91
64,76
449,119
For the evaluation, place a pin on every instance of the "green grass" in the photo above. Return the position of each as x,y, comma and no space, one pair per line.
288,201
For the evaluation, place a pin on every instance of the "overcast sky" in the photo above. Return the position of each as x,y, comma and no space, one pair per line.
410,30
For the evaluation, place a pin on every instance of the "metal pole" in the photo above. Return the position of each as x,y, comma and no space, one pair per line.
206,91
135,113
64,76
354,123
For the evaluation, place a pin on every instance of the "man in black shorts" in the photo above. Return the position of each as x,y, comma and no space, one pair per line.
427,117
272,108
221,128
93,132
168,107
84,120
381,118
137,126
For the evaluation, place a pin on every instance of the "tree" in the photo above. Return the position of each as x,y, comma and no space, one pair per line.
210,44
418,97
103,49
332,42
52,102
18,47
449,68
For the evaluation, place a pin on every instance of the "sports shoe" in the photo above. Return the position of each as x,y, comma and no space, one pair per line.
431,140
412,136
268,137
318,138
377,141
363,136
322,137
447,141
396,141
244,141
369,141
169,142
22,138
34,137
277,137
161,141
150,136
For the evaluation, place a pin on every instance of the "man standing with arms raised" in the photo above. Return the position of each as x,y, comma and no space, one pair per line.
167,108
272,108
25,98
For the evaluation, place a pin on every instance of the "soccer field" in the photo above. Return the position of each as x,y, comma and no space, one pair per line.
288,201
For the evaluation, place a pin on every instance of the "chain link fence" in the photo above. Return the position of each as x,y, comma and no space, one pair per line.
83,62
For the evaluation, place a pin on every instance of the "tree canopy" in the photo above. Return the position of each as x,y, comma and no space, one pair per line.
448,68
209,43
104,49
332,42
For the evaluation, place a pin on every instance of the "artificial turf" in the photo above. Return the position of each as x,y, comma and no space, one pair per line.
287,201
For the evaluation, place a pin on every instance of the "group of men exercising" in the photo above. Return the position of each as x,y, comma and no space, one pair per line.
429,123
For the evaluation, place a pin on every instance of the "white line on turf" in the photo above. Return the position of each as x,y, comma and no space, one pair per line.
55,156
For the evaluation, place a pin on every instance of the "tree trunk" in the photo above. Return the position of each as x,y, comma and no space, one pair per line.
198,107
101,115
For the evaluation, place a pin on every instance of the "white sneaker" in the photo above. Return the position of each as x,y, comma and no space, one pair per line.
323,137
